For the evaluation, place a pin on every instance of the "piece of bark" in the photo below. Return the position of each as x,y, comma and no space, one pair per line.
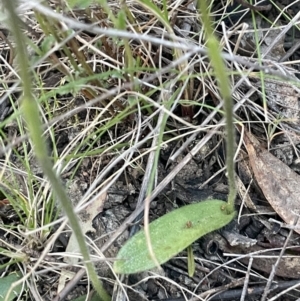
279,183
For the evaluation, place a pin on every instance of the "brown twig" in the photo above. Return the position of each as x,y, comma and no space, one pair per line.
244,3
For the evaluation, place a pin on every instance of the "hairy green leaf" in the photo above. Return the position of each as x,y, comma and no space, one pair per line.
170,234
5,284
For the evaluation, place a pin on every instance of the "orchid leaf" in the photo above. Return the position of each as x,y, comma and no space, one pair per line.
171,234
5,287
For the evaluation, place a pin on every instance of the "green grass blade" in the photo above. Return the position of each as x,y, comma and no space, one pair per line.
191,261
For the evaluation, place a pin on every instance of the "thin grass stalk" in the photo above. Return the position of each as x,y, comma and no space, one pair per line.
219,67
31,114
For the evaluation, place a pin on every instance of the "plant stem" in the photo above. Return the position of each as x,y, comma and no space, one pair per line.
225,91
31,114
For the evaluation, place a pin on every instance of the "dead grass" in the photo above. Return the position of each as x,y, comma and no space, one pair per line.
103,80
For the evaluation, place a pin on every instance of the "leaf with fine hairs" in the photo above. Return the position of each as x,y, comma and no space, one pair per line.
5,285
171,234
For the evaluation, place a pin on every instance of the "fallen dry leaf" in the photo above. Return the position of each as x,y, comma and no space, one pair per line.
279,183
86,217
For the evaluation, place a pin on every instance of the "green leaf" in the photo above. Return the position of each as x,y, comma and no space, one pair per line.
5,284
170,234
